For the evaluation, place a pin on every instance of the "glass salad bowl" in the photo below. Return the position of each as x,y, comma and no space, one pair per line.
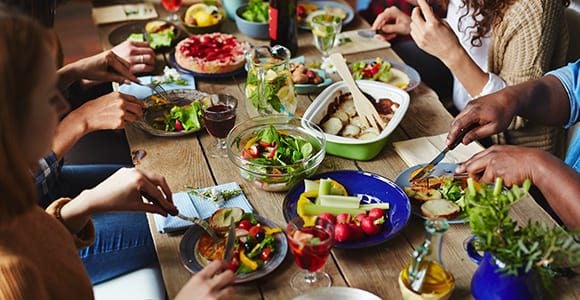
275,152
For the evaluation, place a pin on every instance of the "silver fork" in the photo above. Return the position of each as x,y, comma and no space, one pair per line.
202,223
157,89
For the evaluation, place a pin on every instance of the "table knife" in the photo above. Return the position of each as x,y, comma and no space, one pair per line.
229,252
370,33
426,170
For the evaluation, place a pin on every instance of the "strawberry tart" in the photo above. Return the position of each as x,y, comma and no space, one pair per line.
211,53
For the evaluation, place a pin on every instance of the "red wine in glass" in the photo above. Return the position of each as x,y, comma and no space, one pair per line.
219,120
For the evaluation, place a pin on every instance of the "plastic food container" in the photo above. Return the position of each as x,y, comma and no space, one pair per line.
349,147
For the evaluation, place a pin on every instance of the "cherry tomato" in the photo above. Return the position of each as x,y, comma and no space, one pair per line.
178,126
234,264
245,224
265,255
254,230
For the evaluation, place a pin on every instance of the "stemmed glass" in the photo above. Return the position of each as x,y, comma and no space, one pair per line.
172,6
219,118
325,27
310,246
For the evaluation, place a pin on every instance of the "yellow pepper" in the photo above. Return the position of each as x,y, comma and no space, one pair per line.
271,231
250,142
248,262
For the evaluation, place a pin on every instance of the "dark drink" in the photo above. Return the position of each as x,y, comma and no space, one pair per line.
283,28
219,120
171,5
311,247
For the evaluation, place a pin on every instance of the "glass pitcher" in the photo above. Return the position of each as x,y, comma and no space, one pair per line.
425,274
269,87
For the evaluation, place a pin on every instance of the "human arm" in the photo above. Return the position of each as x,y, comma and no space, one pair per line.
120,192
543,100
213,282
435,36
110,111
559,183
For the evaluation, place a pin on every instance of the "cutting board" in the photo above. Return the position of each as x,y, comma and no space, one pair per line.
358,43
125,12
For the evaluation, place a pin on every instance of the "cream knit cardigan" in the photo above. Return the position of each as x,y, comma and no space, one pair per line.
531,40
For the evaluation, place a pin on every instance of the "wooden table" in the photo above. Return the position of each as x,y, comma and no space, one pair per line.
184,163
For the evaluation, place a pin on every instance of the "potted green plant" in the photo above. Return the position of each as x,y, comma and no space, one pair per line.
516,258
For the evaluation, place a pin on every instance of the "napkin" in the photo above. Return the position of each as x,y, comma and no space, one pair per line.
125,12
358,43
192,205
142,92
422,150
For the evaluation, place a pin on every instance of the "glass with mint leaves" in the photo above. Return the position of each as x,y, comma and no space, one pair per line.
325,26
269,87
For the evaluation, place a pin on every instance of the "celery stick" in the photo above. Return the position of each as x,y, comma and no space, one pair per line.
315,210
375,205
324,187
339,201
310,185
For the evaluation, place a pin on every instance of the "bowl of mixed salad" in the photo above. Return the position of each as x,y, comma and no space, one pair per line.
276,152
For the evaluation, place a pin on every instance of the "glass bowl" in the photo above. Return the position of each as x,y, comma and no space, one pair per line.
276,177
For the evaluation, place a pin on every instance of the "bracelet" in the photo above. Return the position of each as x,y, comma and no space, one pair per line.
56,207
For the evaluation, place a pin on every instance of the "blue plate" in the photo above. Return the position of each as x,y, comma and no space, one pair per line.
173,63
441,169
311,88
321,4
372,188
192,261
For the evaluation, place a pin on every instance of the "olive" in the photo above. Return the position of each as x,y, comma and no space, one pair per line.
260,236
248,246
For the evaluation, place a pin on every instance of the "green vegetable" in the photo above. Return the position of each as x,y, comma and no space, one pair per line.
161,39
257,11
136,37
519,248
189,116
324,187
243,269
268,241
315,210
451,190
375,205
314,241
250,217
339,201
310,185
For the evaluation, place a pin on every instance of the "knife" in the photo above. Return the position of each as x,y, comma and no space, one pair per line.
370,33
229,252
426,170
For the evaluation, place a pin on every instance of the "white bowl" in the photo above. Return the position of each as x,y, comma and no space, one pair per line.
350,147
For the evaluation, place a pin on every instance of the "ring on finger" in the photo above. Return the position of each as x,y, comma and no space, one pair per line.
141,59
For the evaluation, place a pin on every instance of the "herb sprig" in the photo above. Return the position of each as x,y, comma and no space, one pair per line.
521,249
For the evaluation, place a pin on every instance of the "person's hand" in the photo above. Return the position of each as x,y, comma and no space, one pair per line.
110,111
139,55
394,22
512,163
123,191
493,113
432,34
213,282
105,66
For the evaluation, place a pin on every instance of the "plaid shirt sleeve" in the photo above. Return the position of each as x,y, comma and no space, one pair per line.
46,174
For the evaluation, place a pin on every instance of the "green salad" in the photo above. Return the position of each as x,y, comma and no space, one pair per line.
376,70
257,11
156,40
180,118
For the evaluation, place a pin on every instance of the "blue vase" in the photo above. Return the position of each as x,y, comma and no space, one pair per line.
488,283
230,7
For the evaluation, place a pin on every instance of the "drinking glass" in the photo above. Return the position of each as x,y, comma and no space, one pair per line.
310,246
172,6
219,118
325,27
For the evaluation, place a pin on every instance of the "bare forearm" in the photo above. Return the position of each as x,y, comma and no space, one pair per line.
560,185
67,75
543,100
69,131
467,72
77,213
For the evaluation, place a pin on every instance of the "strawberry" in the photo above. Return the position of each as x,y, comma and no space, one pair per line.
342,232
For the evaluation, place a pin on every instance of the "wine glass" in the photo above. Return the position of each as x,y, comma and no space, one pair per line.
325,27
219,118
310,246
172,6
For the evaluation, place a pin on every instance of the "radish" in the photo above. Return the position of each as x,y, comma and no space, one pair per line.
356,232
343,218
372,226
342,232
358,218
377,213
329,217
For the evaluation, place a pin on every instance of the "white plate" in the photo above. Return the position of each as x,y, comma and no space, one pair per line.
332,293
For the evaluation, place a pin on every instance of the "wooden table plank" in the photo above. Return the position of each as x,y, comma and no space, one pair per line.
184,161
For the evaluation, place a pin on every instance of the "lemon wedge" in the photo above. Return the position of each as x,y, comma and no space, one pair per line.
270,75
203,19
195,8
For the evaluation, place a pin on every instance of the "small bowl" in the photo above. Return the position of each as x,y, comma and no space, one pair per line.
286,176
231,6
204,29
252,29
349,147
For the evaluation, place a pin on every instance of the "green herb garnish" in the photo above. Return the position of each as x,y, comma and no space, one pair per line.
257,11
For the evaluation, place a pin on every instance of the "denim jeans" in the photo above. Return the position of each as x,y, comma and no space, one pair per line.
123,242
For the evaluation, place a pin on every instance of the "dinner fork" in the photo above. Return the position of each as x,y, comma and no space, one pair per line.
365,109
157,89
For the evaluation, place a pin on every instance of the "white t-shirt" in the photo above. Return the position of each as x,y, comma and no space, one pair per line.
461,28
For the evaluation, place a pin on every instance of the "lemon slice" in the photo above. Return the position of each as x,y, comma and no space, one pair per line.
203,19
283,93
399,79
317,32
195,8
270,75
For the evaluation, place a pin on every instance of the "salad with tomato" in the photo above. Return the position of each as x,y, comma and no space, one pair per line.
180,118
377,70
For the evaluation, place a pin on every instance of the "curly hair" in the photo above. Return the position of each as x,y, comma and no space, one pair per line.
485,14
